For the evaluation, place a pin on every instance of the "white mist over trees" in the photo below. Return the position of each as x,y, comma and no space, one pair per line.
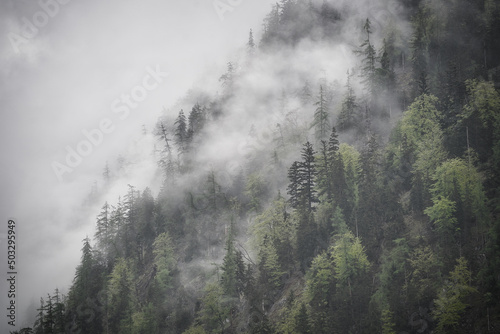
339,175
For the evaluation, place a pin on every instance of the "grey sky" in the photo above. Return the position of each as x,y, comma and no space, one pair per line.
63,81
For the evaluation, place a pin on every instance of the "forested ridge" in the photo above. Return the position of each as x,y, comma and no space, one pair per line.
367,203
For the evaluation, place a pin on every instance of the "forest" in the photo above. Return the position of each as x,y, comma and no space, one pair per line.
362,203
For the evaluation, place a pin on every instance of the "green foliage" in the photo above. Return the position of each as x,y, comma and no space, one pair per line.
255,190
421,119
351,160
320,123
420,132
393,272
164,260
369,54
460,182
418,202
387,322
214,310
450,303
121,297
424,276
302,321
350,260
349,109
302,180
274,235
144,322
233,268
442,215
484,100
195,330
320,282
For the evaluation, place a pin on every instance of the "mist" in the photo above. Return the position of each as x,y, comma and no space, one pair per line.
65,81
62,81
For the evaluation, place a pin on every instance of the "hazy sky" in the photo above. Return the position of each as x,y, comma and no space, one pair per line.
62,74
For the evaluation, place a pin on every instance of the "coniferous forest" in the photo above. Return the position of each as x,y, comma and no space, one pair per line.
368,202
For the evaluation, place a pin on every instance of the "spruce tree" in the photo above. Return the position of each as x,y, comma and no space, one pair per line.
320,122
302,177
419,53
348,113
250,45
230,264
181,132
368,70
294,185
307,176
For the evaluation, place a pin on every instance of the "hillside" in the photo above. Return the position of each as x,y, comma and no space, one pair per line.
340,176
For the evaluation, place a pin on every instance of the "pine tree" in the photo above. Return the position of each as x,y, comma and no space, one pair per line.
305,93
116,223
307,175
302,321
227,80
106,173
127,233
338,181
370,201
302,177
181,132
294,185
368,70
38,327
250,45
105,233
164,262
320,122
351,265
86,285
450,303
323,179
196,119
347,117
386,77
214,311
307,237
59,310
229,264
166,161
120,298
419,53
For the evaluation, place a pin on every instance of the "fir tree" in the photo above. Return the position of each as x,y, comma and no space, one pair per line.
181,132
368,70
320,123
347,117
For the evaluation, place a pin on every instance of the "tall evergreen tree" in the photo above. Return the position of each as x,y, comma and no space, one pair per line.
250,45
320,122
294,186
229,264
181,128
348,113
368,70
105,233
420,53
307,176
86,285
302,176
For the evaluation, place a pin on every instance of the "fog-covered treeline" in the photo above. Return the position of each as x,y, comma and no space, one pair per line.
340,176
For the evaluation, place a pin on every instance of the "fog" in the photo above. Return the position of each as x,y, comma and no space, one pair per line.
73,76
62,80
